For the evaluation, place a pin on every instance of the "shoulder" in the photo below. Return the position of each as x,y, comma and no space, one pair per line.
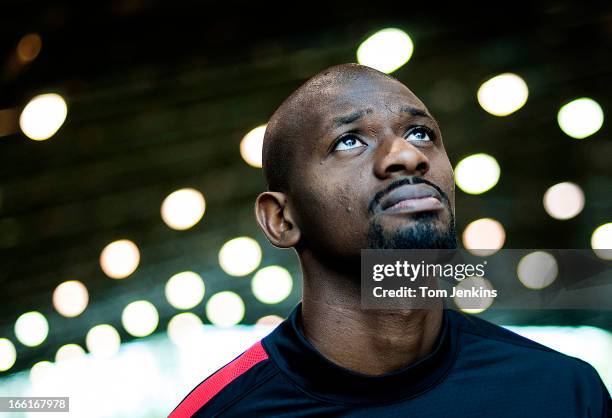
478,329
228,384
518,356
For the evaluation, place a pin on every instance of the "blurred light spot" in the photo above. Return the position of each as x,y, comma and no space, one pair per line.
183,208
8,354
119,259
185,329
251,146
140,318
31,328
70,298
41,372
503,94
269,320
471,304
29,47
185,290
580,118
225,309
537,270
386,50
240,256
43,116
103,341
477,173
564,200
484,237
69,352
601,241
267,324
272,284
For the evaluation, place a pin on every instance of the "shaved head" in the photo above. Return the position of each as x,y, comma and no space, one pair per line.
293,118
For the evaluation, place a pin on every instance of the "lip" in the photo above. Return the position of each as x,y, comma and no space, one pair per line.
412,198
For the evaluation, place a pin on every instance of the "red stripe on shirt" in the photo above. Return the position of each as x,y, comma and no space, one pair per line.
223,377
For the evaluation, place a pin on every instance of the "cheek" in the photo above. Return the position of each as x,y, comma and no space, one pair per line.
441,173
331,212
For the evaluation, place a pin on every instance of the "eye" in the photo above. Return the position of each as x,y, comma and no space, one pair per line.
348,142
420,134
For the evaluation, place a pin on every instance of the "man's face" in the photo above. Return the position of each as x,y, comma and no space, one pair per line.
371,171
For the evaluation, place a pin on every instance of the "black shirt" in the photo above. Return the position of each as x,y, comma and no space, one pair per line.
476,369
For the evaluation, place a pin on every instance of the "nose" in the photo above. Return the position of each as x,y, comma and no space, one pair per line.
396,155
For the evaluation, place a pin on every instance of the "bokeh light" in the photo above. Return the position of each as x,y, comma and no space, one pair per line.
503,94
580,118
272,284
564,200
240,256
8,354
251,146
185,329
69,352
477,173
269,320
225,309
601,241
31,328
29,47
183,208
119,259
537,270
185,290
386,50
103,341
70,298
484,236
43,116
140,318
474,304
41,372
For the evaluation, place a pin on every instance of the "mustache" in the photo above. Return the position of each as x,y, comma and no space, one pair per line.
402,182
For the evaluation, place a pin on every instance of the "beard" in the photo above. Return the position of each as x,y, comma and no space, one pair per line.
424,233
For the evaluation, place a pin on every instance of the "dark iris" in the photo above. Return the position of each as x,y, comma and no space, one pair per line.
420,134
350,141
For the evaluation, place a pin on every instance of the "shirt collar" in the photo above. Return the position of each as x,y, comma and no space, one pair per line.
315,374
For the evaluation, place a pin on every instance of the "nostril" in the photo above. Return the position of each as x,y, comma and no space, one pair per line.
395,167
423,167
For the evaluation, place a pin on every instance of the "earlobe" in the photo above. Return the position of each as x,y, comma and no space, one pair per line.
276,220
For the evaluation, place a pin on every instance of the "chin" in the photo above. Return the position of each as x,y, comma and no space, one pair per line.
424,230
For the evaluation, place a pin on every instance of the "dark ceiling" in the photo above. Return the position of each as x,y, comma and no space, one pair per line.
161,93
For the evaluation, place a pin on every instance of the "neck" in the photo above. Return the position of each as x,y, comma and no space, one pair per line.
371,342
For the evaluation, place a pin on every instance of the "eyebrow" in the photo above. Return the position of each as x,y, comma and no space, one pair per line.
344,120
414,111
352,117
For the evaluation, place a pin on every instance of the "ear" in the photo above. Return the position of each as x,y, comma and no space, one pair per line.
276,220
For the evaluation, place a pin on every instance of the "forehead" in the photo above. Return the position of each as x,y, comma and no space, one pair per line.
378,97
